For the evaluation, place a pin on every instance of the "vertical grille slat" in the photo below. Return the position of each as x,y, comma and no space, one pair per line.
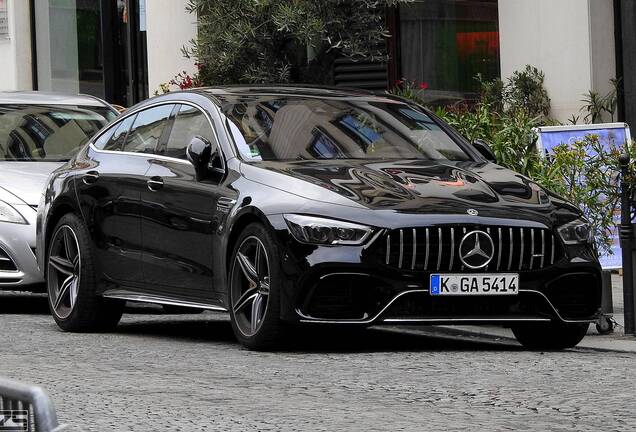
437,248
552,253
440,248
401,249
542,249
490,234
521,254
499,249
427,253
452,249
512,248
531,248
414,258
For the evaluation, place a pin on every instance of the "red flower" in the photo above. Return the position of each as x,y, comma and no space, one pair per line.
398,83
423,86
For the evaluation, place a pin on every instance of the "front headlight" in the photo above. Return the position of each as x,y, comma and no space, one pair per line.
11,215
578,231
316,230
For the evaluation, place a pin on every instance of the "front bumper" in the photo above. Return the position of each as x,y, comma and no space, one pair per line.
17,244
348,285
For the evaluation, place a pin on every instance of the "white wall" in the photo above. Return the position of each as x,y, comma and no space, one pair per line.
15,52
572,41
170,27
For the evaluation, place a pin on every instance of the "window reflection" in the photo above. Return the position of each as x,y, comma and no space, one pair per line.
42,133
446,43
296,128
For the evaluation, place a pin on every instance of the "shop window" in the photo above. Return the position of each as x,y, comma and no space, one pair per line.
446,43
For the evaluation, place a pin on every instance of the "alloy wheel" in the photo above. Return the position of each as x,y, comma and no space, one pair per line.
250,285
64,271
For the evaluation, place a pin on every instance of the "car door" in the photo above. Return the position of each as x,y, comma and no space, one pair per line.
179,224
109,191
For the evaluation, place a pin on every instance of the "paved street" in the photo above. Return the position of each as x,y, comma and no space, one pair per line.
186,373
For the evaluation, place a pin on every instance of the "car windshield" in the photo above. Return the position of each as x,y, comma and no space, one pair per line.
48,133
286,128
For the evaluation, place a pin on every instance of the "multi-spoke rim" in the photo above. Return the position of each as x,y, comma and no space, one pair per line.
64,271
250,285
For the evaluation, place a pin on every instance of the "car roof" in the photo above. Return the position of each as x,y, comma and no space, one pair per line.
46,98
285,90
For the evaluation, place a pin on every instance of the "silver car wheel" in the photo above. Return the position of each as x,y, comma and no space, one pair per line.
63,271
250,285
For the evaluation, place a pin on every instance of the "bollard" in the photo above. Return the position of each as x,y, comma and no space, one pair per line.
607,303
628,245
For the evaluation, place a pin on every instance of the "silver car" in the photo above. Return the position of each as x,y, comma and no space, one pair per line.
39,132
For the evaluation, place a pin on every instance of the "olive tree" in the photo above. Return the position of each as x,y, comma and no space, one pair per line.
284,41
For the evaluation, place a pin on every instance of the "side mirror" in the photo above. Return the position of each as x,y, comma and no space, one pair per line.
198,153
484,149
206,164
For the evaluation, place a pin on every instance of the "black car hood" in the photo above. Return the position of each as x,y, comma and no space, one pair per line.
413,186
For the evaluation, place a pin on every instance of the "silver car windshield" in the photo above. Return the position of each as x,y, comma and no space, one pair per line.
48,132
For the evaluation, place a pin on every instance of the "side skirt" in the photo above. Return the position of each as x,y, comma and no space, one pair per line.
149,298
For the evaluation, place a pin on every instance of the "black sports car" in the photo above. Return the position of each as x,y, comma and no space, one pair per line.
303,205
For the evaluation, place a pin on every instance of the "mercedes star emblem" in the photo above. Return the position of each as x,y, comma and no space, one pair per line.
476,249
472,212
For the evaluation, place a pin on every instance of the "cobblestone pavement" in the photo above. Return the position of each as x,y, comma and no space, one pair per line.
186,373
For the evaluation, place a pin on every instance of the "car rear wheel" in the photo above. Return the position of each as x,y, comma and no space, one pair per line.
552,336
254,294
71,281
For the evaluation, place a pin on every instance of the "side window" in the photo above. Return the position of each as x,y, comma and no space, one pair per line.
147,129
189,122
113,139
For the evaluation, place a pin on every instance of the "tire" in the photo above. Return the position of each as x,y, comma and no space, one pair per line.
70,262
552,336
268,330
180,310
605,325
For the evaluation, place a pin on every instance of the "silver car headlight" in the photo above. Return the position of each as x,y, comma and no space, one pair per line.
578,231
317,230
10,214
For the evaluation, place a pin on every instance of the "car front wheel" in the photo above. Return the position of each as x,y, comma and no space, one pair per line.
552,336
71,280
254,293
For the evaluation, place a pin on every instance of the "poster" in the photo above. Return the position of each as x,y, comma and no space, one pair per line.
609,133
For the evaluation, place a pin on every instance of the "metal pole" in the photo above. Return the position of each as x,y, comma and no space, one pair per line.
626,235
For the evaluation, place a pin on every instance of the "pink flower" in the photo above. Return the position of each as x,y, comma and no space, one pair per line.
423,86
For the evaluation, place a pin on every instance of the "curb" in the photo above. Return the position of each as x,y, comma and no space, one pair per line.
496,335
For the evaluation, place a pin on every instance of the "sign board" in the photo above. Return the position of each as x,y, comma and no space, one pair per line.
610,135
4,20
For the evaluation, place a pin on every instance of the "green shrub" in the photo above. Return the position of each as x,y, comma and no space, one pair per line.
264,41
525,91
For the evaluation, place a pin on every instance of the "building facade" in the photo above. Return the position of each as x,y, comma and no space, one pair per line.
122,50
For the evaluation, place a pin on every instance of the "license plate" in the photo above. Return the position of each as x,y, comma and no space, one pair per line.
474,284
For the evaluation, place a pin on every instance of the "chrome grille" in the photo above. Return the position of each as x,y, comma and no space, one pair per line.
437,248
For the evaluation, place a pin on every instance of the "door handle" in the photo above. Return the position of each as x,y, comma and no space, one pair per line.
90,177
155,183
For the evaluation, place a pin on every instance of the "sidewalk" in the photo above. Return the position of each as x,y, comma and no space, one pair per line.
616,341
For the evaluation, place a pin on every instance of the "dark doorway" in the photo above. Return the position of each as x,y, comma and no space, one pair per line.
92,47
125,51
